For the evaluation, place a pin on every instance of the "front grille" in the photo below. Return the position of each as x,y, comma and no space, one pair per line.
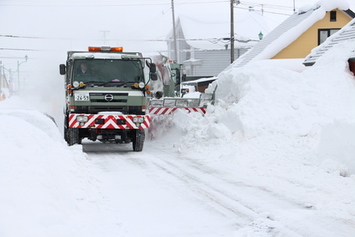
81,109
104,97
103,94
114,100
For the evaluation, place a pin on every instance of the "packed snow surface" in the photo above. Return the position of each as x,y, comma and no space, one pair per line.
275,156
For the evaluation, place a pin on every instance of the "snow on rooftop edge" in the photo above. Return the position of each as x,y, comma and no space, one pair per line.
278,39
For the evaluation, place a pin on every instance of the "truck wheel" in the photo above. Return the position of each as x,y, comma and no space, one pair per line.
66,127
138,139
72,135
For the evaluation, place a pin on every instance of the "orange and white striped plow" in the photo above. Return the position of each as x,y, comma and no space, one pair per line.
170,110
99,121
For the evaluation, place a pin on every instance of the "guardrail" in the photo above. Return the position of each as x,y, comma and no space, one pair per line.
202,101
168,105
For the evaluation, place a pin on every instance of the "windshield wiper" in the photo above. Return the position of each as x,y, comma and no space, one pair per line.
116,82
93,82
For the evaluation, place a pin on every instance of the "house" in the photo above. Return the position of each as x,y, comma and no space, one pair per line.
203,42
301,32
347,33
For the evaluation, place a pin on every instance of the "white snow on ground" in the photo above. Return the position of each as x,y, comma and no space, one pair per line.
47,189
277,153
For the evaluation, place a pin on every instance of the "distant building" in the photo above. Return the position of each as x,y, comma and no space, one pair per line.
203,42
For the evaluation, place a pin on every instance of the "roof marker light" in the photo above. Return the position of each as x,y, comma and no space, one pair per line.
105,49
96,49
117,49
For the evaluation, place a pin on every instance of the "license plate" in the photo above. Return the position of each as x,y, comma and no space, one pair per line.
81,97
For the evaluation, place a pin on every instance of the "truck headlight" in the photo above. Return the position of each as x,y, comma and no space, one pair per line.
82,119
138,119
76,84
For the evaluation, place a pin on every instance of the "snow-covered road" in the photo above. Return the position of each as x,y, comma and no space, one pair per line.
153,197
165,192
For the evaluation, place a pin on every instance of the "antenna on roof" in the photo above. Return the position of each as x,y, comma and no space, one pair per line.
294,6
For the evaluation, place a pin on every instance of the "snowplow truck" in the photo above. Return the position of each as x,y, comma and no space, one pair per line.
106,96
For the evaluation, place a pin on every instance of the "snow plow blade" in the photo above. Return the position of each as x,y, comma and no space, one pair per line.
170,110
169,105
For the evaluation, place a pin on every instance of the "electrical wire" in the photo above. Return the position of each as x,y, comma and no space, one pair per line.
17,49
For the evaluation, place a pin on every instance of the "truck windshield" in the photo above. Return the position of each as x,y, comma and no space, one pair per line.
107,71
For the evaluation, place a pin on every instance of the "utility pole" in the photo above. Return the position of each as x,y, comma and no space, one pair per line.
232,27
232,30
1,75
174,32
18,72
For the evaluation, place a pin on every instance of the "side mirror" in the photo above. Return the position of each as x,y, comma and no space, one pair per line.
153,68
153,76
158,94
183,77
62,70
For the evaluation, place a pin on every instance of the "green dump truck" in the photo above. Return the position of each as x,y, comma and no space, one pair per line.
106,96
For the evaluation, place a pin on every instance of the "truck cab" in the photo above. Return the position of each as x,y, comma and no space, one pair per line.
106,96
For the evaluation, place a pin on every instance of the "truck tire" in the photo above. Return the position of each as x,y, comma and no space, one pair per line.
72,135
65,127
138,139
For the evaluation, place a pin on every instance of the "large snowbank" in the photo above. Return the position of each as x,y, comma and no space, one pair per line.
269,102
290,133
47,189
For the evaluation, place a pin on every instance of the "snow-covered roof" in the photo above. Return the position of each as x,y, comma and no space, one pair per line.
292,28
200,80
206,32
345,34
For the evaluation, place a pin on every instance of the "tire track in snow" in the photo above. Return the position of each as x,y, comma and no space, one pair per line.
248,204
229,198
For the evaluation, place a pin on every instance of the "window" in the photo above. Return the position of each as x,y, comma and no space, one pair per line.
323,34
333,16
108,70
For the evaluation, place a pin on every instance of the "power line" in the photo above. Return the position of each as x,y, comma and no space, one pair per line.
265,11
88,4
96,3
16,49
267,5
18,36
12,57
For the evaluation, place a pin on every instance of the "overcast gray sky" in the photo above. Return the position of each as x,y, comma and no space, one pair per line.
45,29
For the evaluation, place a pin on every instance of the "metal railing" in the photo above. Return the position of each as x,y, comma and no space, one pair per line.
202,101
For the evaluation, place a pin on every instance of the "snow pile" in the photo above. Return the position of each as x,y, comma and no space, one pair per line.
316,105
327,5
46,187
290,134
